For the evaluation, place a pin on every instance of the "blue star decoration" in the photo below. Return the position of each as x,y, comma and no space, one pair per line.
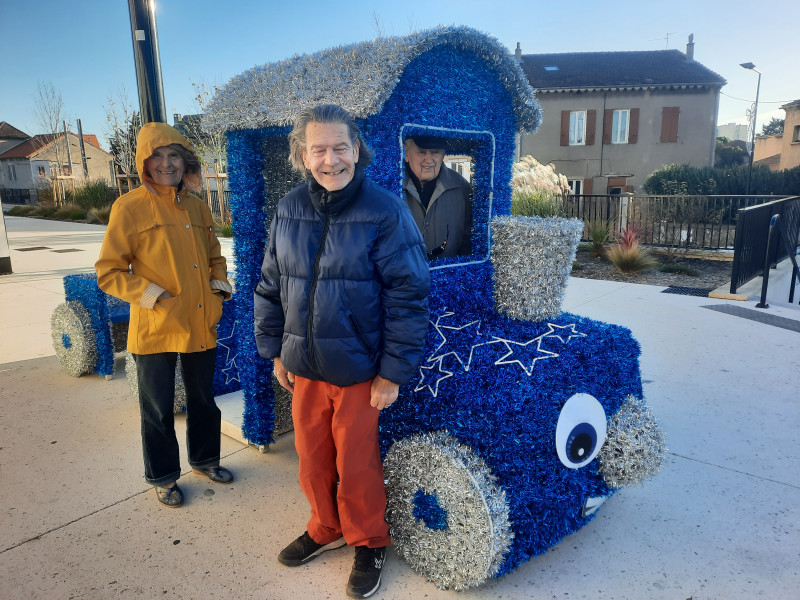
460,345
231,370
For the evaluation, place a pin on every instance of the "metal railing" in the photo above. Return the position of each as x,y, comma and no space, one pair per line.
750,252
686,222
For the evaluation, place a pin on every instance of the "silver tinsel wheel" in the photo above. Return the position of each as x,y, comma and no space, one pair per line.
448,516
73,338
133,382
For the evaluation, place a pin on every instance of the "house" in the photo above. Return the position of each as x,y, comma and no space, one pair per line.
612,118
28,164
781,151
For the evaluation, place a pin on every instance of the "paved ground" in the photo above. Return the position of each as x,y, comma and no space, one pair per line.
719,522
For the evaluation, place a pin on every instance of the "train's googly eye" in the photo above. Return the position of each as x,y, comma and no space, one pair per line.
581,431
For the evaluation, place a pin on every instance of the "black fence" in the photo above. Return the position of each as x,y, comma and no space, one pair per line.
750,251
686,222
219,211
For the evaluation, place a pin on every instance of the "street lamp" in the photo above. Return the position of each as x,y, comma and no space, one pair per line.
752,67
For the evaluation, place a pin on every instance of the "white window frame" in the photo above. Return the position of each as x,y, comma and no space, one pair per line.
12,173
620,126
577,128
576,185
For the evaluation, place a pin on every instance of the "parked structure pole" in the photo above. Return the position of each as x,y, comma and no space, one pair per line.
752,67
148,63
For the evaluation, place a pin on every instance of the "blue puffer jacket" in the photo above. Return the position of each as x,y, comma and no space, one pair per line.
344,285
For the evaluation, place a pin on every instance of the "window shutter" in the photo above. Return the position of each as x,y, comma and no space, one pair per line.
608,120
587,186
565,128
669,123
591,125
633,126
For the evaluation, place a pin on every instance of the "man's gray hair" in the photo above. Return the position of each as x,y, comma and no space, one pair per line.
325,113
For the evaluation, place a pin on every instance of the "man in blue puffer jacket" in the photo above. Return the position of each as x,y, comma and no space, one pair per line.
342,310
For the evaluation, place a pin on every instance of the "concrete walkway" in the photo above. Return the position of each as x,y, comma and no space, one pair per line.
78,520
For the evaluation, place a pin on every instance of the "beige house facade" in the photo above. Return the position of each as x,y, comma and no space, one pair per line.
781,151
31,164
612,118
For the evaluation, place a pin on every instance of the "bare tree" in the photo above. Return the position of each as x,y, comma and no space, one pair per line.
48,107
123,124
209,145
376,23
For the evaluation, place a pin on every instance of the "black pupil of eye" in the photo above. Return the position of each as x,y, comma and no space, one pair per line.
581,441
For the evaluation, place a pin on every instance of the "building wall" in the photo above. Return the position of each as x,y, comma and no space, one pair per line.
96,160
733,131
790,150
767,145
694,145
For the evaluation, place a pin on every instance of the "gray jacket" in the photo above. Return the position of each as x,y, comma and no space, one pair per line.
448,220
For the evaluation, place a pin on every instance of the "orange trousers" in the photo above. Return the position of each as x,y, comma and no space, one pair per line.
341,473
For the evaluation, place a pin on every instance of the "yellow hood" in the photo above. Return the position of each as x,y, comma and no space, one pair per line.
152,136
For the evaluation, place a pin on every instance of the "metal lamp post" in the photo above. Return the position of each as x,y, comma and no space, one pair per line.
752,67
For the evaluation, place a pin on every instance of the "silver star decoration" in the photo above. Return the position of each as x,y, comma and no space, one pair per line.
431,376
231,370
570,333
521,349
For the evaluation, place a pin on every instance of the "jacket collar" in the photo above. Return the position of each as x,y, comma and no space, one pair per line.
335,202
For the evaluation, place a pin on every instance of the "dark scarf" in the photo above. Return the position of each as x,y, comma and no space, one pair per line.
425,190
336,201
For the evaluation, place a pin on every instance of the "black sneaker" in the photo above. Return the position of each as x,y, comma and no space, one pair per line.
303,549
365,578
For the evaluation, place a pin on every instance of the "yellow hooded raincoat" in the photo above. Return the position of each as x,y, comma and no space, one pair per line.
158,239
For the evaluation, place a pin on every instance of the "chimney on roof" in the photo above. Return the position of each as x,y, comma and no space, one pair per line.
690,47
518,53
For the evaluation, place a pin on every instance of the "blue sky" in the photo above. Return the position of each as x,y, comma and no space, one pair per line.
84,48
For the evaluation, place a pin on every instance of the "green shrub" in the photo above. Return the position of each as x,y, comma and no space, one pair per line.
92,194
631,259
69,212
99,215
679,268
223,229
538,204
44,211
729,181
585,247
22,210
576,266
599,232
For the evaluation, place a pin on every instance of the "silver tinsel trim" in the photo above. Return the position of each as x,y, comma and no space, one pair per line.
73,338
478,534
532,259
133,382
359,77
635,445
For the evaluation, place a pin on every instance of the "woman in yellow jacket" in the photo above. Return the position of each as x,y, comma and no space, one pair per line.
161,255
